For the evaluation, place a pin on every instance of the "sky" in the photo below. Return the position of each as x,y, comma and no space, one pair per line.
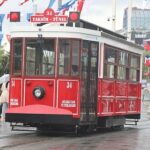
100,10
95,11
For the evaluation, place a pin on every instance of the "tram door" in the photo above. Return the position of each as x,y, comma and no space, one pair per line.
89,75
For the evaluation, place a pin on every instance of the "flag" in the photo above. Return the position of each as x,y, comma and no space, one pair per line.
8,37
28,16
146,44
2,2
147,60
1,20
8,16
75,5
23,2
1,37
67,5
80,5
51,3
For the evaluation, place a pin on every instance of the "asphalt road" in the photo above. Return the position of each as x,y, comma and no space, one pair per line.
130,138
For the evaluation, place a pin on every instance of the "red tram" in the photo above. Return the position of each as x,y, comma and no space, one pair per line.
73,76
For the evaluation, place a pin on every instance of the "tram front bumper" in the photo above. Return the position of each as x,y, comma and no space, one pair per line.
39,114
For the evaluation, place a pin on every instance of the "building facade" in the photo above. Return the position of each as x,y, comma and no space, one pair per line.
140,24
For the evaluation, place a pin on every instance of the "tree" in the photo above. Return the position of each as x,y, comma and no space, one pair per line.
4,61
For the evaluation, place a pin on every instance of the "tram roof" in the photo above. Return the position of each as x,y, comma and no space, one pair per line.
107,33
88,25
104,32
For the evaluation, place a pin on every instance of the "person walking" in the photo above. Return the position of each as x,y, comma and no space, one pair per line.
0,103
4,99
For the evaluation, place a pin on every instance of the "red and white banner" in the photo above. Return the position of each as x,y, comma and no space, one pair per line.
23,2
146,44
80,5
2,2
147,60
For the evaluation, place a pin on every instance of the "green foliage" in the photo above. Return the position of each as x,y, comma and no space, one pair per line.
4,61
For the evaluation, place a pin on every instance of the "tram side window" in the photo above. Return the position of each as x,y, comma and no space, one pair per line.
121,64
134,67
122,70
17,56
110,62
123,58
69,57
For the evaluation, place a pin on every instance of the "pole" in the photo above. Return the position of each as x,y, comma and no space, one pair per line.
59,3
114,15
34,7
129,19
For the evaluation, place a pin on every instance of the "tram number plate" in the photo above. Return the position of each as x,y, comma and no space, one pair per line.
68,103
69,85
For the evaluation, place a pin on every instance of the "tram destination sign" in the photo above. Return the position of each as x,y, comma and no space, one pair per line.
48,16
47,19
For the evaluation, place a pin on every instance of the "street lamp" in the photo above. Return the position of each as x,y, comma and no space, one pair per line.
129,19
114,16
59,3
34,7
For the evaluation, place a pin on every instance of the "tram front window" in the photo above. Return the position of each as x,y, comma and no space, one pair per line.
17,56
75,57
40,57
64,55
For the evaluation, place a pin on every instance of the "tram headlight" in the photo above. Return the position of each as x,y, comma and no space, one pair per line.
38,92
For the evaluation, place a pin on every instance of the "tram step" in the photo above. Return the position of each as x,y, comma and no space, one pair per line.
21,127
131,121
